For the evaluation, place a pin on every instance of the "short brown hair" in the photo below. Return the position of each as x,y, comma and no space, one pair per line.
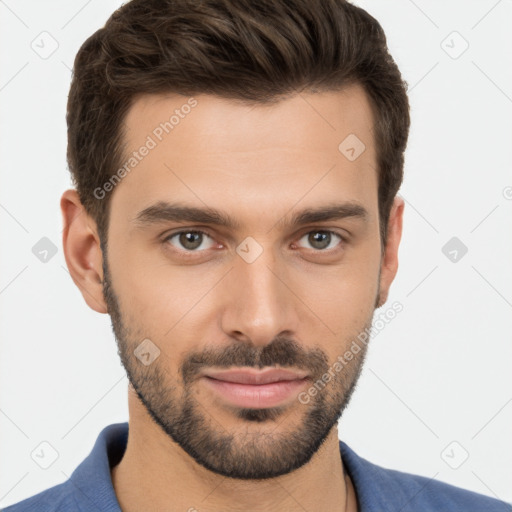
254,51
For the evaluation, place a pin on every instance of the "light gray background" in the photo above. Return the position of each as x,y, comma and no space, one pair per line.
437,383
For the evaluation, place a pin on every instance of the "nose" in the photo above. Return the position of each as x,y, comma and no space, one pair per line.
258,302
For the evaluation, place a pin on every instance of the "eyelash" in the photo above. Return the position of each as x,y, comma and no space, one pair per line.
194,253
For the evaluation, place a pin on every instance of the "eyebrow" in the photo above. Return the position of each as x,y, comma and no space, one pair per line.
175,212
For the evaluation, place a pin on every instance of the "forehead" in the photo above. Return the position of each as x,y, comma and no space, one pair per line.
235,126
207,150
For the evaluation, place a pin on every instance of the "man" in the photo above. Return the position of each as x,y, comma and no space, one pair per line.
236,214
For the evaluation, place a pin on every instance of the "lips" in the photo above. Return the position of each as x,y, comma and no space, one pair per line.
257,389
255,377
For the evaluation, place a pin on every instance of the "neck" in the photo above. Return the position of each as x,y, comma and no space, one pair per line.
156,474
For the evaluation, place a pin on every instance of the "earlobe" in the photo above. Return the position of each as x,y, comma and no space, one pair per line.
389,262
82,250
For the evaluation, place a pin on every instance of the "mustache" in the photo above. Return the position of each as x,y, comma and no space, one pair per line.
282,351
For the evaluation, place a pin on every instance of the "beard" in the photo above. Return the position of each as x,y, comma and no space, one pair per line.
245,453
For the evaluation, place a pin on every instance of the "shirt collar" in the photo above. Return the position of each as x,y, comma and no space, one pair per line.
92,481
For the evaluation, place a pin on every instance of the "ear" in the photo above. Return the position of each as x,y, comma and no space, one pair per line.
82,250
389,261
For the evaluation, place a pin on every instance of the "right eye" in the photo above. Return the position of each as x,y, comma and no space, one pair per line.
189,240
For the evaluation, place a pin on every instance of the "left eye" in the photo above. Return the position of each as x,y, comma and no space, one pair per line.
322,240
190,240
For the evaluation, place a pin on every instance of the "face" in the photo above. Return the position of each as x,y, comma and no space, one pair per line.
242,243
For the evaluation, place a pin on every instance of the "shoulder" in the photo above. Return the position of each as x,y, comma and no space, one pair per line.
90,485
384,489
428,494
55,499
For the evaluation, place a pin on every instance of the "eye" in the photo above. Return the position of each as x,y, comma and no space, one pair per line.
190,240
322,240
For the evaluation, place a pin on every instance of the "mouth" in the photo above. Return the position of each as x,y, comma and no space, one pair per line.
257,389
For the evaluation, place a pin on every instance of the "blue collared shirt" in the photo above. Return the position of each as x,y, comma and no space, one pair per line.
89,488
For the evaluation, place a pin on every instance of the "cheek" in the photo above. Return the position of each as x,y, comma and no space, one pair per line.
342,297
341,313
160,300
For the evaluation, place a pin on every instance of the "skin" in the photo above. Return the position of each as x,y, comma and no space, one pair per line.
259,164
